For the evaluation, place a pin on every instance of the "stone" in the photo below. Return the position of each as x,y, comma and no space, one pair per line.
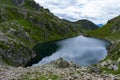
112,77
34,73
113,67
100,79
19,2
95,70
20,68
106,63
62,63
73,65
109,61
118,61
84,69
117,77
87,78
103,64
110,67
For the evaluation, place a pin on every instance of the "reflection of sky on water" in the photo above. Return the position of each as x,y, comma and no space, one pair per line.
81,50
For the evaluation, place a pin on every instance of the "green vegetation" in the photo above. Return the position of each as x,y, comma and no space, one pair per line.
11,4
110,32
108,71
23,26
39,76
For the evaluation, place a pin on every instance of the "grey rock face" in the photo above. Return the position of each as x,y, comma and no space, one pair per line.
118,61
15,56
35,5
62,63
113,67
94,69
19,2
106,63
115,27
14,52
46,70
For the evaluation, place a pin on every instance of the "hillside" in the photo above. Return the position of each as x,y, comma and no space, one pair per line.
87,24
56,70
110,32
24,23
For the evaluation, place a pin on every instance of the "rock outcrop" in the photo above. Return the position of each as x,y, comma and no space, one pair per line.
51,71
61,63
19,2
35,5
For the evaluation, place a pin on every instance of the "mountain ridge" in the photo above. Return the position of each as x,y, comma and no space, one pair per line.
23,26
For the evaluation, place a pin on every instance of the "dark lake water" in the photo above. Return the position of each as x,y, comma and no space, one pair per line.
81,50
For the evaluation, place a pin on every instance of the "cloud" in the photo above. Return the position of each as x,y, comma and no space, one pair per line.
98,11
81,50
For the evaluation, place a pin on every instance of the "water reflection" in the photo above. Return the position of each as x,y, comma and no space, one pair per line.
81,50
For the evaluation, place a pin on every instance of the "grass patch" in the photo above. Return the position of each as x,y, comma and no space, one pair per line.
39,76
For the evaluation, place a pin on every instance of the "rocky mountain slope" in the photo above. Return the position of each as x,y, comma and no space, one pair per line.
110,32
87,24
24,23
56,70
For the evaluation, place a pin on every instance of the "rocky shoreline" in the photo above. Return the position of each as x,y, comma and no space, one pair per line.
57,70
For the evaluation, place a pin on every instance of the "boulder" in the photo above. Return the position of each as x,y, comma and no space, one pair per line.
106,63
111,76
61,63
19,2
103,64
113,67
94,69
118,61
109,61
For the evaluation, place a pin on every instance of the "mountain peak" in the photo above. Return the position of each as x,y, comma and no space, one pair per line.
25,4
87,24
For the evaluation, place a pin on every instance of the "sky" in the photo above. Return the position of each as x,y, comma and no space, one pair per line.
97,11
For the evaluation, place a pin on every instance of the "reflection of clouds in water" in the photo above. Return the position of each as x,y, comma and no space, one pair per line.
81,50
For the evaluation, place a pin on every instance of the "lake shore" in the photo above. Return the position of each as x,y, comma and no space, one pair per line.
56,70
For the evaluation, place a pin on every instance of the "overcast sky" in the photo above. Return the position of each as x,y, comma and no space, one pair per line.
98,11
